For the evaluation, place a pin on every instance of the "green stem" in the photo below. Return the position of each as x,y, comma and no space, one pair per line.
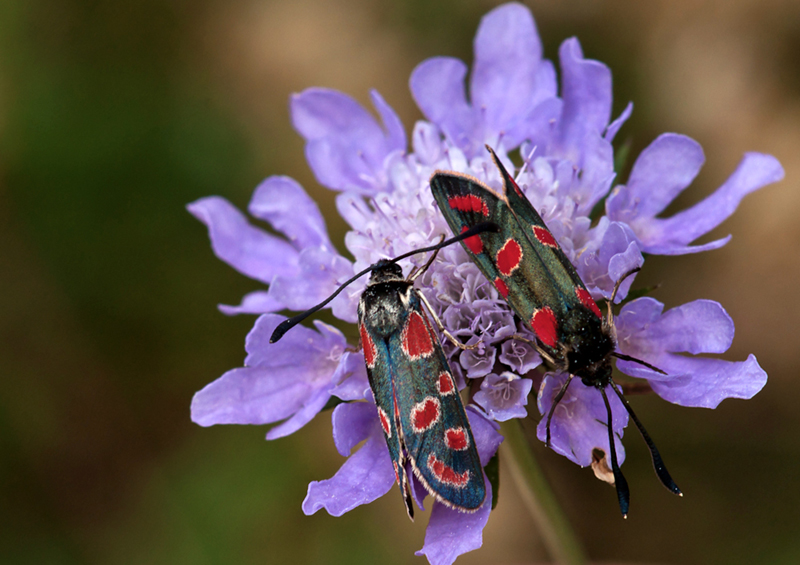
557,534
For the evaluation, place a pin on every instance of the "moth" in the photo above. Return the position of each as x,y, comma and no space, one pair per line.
531,272
419,407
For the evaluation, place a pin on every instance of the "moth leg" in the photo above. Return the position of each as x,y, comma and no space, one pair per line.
417,271
546,356
610,319
453,339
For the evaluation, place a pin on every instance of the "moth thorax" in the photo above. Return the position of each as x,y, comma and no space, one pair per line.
385,271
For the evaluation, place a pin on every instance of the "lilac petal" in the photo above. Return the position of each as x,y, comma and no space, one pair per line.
352,423
451,533
586,91
485,432
287,380
345,145
351,374
507,54
365,476
258,302
396,133
438,88
301,347
579,421
711,380
661,172
250,396
519,356
504,396
608,258
701,326
597,163
319,273
671,236
249,250
427,143
311,407
282,202
613,127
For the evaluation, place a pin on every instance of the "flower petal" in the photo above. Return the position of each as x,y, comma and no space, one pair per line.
485,432
437,85
311,407
661,172
250,396
586,91
507,54
345,145
249,250
352,423
701,326
710,381
282,202
451,533
351,374
319,273
671,236
579,421
300,348
364,477
613,127
258,302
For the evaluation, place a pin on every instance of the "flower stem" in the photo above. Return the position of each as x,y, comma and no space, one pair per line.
557,534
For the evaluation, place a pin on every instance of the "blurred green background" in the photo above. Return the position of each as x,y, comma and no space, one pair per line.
114,115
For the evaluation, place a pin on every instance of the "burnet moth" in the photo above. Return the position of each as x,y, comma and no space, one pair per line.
419,406
532,273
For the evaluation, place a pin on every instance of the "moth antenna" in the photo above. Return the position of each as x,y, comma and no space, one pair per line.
658,463
623,493
417,272
556,400
635,360
288,324
614,294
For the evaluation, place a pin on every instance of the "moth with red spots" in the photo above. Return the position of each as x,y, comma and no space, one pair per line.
531,272
423,419
419,408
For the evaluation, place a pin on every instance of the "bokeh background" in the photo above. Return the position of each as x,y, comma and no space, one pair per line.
115,114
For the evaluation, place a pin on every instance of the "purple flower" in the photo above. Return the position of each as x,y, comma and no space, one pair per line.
290,382
504,396
565,139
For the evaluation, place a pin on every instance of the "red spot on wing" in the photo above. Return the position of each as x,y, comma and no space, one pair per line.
456,439
544,237
416,339
396,474
370,351
447,474
425,414
445,384
474,243
545,326
587,300
387,428
516,186
501,286
468,203
509,257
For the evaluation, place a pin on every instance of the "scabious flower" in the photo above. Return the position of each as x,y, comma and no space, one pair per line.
564,137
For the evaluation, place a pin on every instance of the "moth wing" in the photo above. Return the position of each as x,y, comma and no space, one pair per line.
434,425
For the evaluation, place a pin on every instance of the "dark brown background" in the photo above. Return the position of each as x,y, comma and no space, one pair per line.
114,115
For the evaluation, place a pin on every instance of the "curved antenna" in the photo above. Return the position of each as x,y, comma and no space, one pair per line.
288,324
658,463
623,493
